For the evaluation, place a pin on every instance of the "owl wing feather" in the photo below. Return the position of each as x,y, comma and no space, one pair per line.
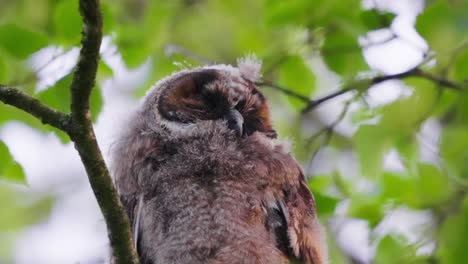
132,206
139,146
295,225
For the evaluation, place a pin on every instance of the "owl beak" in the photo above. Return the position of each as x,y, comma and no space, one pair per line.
235,121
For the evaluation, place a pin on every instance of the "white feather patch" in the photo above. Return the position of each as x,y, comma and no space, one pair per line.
249,67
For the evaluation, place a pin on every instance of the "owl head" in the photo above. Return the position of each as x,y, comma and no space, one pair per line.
216,95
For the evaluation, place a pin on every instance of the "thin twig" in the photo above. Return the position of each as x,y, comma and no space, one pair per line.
284,90
313,103
453,58
440,80
170,49
328,131
23,101
414,72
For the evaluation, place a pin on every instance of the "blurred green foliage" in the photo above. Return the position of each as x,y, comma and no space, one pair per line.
291,37
19,209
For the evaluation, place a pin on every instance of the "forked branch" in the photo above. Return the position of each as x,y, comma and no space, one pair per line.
79,127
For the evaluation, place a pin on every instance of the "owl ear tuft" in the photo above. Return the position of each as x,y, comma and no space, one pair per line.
250,67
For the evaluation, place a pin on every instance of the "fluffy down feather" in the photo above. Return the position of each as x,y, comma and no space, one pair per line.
197,192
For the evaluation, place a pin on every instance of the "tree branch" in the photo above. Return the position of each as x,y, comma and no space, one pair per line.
86,68
314,103
82,133
365,83
440,80
328,131
170,49
311,104
23,101
284,90
79,127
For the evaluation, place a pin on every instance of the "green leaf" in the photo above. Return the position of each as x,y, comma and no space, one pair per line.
408,149
278,12
10,170
428,188
321,182
460,68
433,186
343,186
3,70
132,55
444,25
33,14
391,250
58,97
21,209
67,22
459,110
375,19
343,25
401,188
138,40
454,150
369,208
95,103
292,127
370,143
20,42
104,71
297,76
108,24
414,108
325,203
9,113
342,53
453,237
361,115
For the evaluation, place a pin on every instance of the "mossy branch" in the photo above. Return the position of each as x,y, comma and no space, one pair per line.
79,127
82,134
23,101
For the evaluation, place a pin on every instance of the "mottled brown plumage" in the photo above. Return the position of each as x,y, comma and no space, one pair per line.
203,180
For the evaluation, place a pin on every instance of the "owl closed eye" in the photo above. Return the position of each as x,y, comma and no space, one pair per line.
211,95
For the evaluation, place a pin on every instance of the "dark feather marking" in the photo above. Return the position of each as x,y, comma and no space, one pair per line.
136,222
129,202
277,224
183,92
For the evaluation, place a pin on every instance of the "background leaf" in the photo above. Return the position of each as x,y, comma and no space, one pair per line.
67,22
295,74
20,42
370,143
453,237
10,170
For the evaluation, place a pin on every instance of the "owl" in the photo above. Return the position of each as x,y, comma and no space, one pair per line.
203,179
